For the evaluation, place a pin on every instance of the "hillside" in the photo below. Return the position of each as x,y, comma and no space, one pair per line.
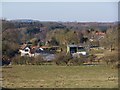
17,32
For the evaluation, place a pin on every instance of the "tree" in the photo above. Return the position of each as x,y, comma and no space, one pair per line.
7,25
10,42
83,40
111,39
54,42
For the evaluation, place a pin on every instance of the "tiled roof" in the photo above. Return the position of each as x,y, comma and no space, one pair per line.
23,46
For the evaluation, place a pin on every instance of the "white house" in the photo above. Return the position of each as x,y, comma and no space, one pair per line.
26,52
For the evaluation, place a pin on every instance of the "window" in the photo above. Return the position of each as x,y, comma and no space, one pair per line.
26,50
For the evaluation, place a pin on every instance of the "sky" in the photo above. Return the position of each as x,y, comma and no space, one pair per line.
61,11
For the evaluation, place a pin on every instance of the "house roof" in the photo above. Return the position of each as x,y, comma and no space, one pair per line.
100,33
34,47
26,48
23,46
74,45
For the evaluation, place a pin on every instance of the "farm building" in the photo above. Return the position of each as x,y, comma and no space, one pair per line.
76,49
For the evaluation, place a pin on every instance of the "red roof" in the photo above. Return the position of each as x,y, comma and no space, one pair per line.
33,47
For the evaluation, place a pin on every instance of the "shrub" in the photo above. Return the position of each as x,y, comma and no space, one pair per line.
111,59
38,60
21,60
67,59
62,58
77,60
28,60
5,60
91,58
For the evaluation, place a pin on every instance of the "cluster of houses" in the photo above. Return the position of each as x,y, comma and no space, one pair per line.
97,35
36,50
33,51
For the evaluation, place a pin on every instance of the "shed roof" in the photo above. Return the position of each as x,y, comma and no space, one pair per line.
74,45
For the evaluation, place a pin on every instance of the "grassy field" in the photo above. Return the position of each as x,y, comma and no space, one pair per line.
52,76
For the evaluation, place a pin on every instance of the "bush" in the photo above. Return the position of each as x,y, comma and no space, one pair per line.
21,60
67,59
91,58
38,60
28,60
62,58
5,60
111,59
77,60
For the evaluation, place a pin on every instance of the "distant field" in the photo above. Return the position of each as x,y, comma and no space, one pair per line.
52,76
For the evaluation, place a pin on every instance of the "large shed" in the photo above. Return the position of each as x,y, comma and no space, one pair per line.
75,49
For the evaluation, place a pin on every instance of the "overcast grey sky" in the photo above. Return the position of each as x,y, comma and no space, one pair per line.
62,11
